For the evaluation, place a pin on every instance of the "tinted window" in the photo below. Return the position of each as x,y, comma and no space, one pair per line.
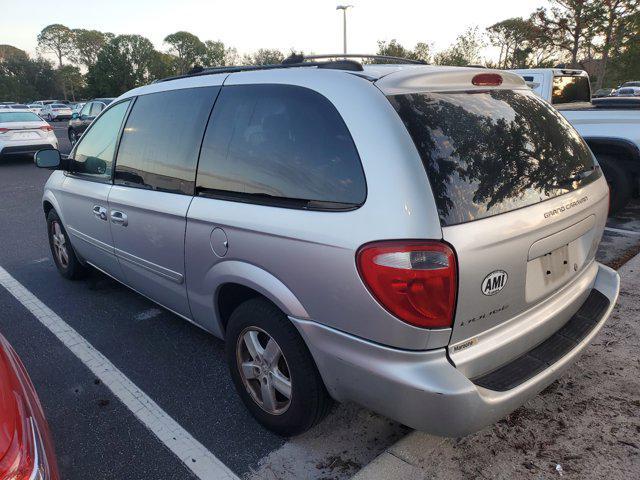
162,137
283,145
19,117
94,154
59,105
490,152
570,90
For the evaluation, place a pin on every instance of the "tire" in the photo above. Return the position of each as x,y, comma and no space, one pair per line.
67,264
620,188
308,401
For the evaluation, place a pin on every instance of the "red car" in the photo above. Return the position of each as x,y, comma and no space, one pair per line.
26,450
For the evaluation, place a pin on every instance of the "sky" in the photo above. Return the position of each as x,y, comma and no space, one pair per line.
308,25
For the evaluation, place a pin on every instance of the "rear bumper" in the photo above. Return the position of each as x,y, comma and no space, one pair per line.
25,149
422,389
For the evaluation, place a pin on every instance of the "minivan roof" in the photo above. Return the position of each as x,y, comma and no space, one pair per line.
392,79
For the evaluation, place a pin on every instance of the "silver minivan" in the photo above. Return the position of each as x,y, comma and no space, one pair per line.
420,240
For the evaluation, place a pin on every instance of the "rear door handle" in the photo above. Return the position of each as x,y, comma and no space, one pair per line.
119,218
100,212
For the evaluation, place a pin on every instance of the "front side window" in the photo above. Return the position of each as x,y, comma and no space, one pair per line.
280,145
491,152
161,140
93,156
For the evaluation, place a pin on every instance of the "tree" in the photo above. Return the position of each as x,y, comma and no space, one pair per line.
23,79
214,54
567,23
264,56
393,48
625,64
71,81
87,44
465,50
124,63
9,51
57,39
187,48
616,15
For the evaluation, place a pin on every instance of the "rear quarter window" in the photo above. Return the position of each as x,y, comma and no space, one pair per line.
490,152
280,145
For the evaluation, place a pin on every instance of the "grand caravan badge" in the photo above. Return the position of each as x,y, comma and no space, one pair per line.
494,282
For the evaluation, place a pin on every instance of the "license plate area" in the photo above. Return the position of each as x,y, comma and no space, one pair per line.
550,271
25,136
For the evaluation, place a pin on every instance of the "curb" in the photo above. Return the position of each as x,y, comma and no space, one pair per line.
402,459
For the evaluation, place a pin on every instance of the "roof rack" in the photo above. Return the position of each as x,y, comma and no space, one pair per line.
337,61
299,58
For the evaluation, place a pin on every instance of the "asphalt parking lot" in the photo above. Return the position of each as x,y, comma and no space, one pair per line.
180,367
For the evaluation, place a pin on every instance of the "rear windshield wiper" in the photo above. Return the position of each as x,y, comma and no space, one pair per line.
577,177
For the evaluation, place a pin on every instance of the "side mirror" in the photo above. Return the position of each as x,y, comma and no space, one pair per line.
48,158
75,115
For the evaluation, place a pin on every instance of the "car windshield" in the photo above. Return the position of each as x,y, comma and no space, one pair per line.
570,89
59,105
490,152
8,117
19,107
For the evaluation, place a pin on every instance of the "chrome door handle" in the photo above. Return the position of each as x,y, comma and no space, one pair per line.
100,212
119,218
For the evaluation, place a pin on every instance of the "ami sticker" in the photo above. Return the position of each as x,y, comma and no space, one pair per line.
494,282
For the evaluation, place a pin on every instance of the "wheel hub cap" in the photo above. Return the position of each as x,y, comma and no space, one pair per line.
264,370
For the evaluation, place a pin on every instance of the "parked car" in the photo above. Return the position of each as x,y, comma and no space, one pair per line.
35,108
24,133
630,84
17,106
42,103
55,111
81,120
602,92
77,107
627,92
608,125
417,239
26,449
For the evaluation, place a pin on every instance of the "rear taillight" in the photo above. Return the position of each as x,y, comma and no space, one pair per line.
487,80
414,280
20,459
46,128
3,130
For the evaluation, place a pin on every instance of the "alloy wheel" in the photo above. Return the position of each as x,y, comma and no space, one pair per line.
264,370
59,244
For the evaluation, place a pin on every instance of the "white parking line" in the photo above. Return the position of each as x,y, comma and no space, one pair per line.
620,230
191,452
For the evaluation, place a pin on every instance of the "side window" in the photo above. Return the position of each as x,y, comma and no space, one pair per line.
96,108
161,140
86,109
281,145
93,156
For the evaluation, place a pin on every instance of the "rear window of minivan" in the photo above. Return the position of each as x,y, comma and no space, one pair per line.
493,151
280,145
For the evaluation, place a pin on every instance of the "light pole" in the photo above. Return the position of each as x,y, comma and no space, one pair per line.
344,25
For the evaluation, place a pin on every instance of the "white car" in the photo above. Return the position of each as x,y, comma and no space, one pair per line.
24,133
56,111
35,108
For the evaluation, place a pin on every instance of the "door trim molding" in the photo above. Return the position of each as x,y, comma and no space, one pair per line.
105,247
150,266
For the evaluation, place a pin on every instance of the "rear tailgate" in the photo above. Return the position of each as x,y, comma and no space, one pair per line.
520,199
